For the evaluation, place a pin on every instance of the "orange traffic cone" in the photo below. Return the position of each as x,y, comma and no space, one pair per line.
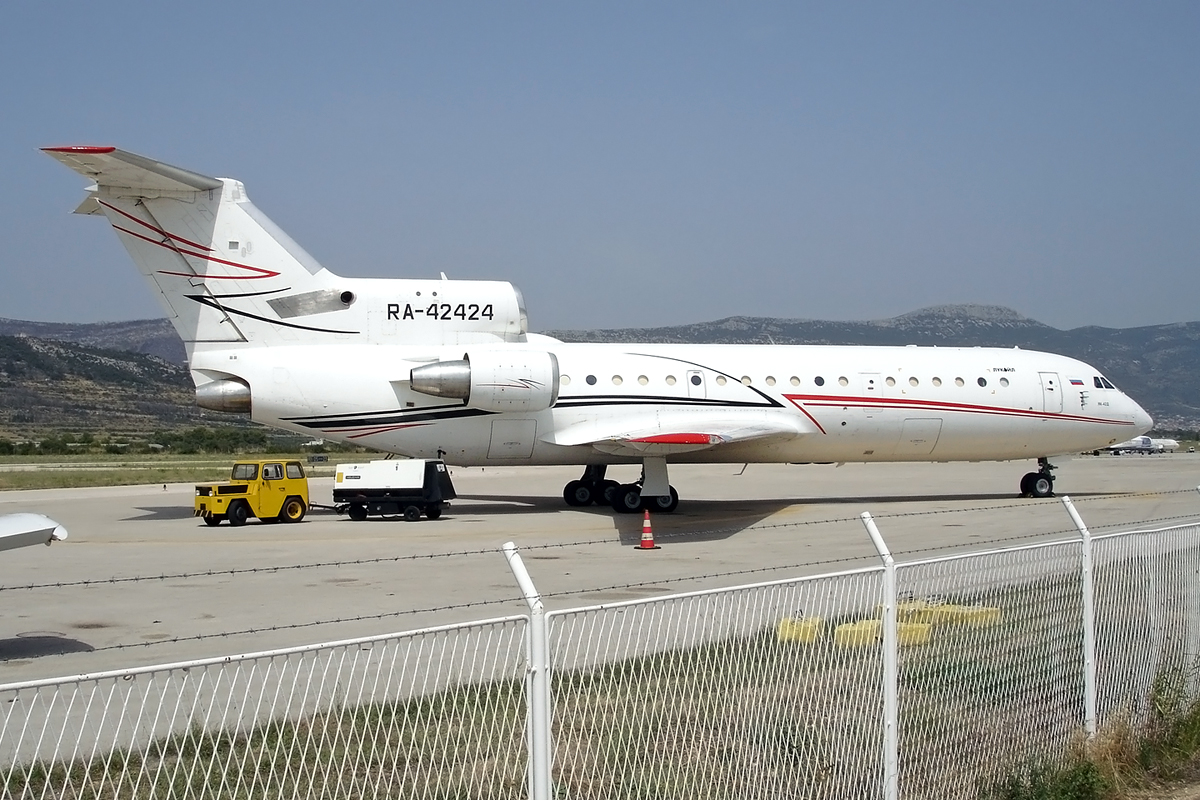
647,535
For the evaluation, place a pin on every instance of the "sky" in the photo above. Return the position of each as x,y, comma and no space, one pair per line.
637,164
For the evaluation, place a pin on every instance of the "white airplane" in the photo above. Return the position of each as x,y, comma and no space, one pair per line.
448,369
1143,444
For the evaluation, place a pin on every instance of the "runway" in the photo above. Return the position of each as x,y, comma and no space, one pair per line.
101,600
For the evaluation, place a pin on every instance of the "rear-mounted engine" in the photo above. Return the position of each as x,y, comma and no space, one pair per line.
493,380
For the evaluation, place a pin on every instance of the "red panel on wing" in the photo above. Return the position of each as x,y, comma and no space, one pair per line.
80,148
679,438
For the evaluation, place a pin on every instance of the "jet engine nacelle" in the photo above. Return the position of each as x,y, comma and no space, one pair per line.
493,380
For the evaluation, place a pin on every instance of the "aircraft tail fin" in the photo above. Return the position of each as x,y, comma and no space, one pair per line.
222,271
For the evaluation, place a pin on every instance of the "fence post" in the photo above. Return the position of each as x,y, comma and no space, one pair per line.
1089,622
537,680
891,665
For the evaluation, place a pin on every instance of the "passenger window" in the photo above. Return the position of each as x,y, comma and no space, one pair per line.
591,380
959,382
890,381
643,380
746,380
843,381
696,380
721,381
937,381
294,470
670,380
795,381
618,380
982,381
565,380
1004,381
770,381
819,381
913,381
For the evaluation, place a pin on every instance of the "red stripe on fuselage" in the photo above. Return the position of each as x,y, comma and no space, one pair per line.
904,403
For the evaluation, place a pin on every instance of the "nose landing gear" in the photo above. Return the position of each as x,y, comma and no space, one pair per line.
1040,483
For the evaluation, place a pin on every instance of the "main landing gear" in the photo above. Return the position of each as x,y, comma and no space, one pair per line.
1040,483
628,498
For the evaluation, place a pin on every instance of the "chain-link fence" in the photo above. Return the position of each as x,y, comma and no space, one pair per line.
929,679
429,714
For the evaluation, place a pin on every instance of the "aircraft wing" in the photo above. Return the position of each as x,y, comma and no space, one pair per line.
23,530
111,167
670,432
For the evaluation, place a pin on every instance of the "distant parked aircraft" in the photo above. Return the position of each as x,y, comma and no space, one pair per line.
1143,444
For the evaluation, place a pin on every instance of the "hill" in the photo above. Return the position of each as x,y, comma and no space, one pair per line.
1156,364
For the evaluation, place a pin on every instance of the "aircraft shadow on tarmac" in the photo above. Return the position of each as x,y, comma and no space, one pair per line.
715,520
39,645
160,513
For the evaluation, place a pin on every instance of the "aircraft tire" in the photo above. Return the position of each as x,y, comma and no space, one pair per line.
627,498
662,504
578,493
412,513
238,513
1026,484
357,512
1041,486
605,491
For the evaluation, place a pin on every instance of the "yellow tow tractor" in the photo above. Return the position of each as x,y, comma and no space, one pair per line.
273,491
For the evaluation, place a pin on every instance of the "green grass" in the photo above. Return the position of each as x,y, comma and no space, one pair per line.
57,472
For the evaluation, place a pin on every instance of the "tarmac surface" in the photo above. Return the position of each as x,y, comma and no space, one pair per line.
140,581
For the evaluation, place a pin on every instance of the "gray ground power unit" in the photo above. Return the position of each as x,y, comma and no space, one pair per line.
393,486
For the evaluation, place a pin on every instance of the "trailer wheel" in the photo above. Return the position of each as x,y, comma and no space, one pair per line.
433,512
412,513
293,510
357,512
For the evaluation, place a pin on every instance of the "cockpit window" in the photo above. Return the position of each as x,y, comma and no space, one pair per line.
1098,383
1107,385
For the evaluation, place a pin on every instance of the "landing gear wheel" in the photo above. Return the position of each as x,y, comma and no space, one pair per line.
1027,482
357,512
663,503
1041,486
412,513
293,510
578,493
433,512
605,491
627,499
238,513
212,520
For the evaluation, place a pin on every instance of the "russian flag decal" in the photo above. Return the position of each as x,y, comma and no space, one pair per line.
1076,382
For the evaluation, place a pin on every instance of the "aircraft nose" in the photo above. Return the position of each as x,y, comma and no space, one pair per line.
1141,420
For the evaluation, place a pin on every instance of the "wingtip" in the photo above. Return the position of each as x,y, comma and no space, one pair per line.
83,149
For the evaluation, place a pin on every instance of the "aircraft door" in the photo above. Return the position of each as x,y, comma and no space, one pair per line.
872,389
695,384
1052,399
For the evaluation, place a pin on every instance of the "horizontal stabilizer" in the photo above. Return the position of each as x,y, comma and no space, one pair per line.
111,167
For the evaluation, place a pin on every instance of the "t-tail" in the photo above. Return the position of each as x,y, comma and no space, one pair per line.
228,277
